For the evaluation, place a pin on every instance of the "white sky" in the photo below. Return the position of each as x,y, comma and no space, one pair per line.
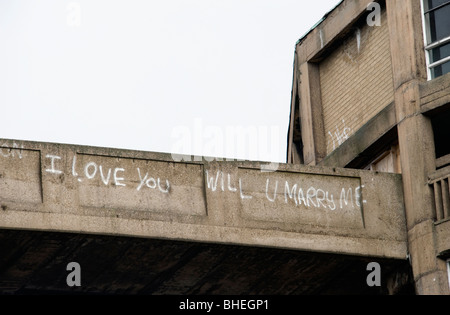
177,76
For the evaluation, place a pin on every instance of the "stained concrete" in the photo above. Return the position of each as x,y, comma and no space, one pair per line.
76,189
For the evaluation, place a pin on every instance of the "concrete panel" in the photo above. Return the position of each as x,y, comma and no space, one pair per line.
140,185
20,169
306,199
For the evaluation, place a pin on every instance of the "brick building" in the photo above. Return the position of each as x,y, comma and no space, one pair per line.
371,90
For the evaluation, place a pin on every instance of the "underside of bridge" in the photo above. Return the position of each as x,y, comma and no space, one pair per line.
141,223
35,263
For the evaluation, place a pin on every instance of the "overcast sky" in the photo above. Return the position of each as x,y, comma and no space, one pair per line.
204,77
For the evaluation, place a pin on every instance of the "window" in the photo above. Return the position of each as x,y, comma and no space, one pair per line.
437,36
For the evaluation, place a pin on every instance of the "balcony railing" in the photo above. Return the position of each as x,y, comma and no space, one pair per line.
439,183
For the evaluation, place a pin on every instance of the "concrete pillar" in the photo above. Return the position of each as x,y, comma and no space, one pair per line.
313,132
416,144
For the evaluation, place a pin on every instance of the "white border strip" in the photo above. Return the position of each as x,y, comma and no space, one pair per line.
425,39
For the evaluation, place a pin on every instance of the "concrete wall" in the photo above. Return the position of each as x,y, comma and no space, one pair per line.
356,81
67,188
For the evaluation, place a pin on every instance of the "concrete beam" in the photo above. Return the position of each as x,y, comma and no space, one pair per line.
312,47
434,94
313,131
66,188
352,150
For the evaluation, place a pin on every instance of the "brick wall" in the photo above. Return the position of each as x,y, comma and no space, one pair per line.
356,82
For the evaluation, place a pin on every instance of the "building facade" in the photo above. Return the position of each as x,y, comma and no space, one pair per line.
371,90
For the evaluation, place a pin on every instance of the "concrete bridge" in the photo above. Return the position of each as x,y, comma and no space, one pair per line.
190,227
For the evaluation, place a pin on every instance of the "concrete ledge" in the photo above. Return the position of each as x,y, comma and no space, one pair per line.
205,234
435,94
352,151
67,188
330,30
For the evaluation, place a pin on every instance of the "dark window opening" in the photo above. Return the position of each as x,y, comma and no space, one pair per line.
441,129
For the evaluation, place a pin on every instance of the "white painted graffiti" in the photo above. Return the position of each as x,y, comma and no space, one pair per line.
152,183
53,170
339,136
314,194
16,151
310,197
107,175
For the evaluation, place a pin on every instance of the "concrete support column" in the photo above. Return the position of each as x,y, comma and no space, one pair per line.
313,132
416,144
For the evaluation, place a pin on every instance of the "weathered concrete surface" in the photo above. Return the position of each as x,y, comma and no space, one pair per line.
312,47
434,95
66,188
